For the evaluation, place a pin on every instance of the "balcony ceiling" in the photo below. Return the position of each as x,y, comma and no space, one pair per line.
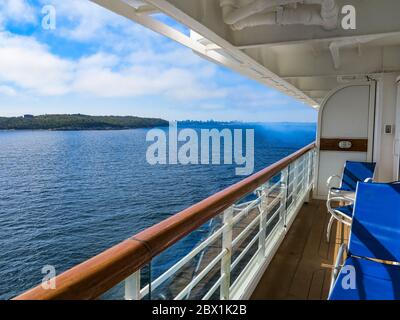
303,61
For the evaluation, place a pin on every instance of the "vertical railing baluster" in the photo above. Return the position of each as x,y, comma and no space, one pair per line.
295,182
304,168
307,177
263,219
308,168
283,194
132,287
314,155
227,258
300,176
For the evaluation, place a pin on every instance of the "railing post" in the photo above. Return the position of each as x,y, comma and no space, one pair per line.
307,177
227,258
310,170
309,167
305,171
283,194
263,219
295,192
132,286
313,156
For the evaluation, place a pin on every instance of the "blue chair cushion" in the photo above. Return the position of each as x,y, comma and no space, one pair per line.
355,171
346,210
344,187
373,281
341,189
375,231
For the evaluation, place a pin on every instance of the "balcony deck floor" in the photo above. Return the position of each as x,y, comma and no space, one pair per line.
301,268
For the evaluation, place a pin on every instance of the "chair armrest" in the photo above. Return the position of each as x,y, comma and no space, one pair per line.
338,198
329,206
338,263
330,181
333,211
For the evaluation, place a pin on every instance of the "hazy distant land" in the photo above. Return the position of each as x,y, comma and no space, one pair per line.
78,122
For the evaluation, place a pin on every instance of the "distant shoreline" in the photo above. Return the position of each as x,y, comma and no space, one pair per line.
78,129
78,122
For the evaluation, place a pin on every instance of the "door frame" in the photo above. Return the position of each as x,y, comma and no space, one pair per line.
396,142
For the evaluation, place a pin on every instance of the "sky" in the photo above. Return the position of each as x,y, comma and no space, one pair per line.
96,62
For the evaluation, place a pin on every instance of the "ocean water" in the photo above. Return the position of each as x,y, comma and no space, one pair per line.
67,196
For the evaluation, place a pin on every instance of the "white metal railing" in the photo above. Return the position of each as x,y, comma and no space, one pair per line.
248,236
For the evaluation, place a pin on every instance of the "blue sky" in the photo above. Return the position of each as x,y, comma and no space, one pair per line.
98,63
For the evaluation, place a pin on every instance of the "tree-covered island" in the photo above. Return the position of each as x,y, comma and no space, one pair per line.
78,122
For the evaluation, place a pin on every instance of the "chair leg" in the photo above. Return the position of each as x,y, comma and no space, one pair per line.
328,230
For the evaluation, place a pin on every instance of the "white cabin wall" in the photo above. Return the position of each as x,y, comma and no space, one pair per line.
346,113
385,115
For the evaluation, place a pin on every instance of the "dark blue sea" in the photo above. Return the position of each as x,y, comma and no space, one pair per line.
67,196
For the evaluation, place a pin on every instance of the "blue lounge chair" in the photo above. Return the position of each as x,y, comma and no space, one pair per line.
354,171
375,234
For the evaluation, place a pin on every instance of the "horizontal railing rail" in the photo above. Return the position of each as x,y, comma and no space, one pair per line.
94,277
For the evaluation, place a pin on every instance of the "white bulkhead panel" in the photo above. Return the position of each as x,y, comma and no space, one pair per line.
346,114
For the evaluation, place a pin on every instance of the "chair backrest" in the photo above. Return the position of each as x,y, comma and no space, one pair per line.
375,230
355,171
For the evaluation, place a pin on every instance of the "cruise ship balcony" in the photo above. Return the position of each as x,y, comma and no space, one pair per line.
264,237
246,224
265,240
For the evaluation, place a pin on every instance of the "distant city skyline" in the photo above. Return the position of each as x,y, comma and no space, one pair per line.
98,63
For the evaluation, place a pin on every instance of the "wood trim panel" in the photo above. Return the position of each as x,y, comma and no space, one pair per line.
357,145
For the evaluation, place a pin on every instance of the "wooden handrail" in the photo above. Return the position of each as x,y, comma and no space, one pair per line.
94,277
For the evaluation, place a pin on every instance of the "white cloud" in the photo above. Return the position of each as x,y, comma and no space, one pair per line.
83,20
87,19
143,79
30,65
256,97
8,91
128,61
16,11
211,106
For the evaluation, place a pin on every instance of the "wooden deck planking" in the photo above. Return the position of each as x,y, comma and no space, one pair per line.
301,269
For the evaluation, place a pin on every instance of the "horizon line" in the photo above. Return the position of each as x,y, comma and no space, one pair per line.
130,115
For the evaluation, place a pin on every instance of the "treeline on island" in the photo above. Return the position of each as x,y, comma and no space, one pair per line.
78,122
